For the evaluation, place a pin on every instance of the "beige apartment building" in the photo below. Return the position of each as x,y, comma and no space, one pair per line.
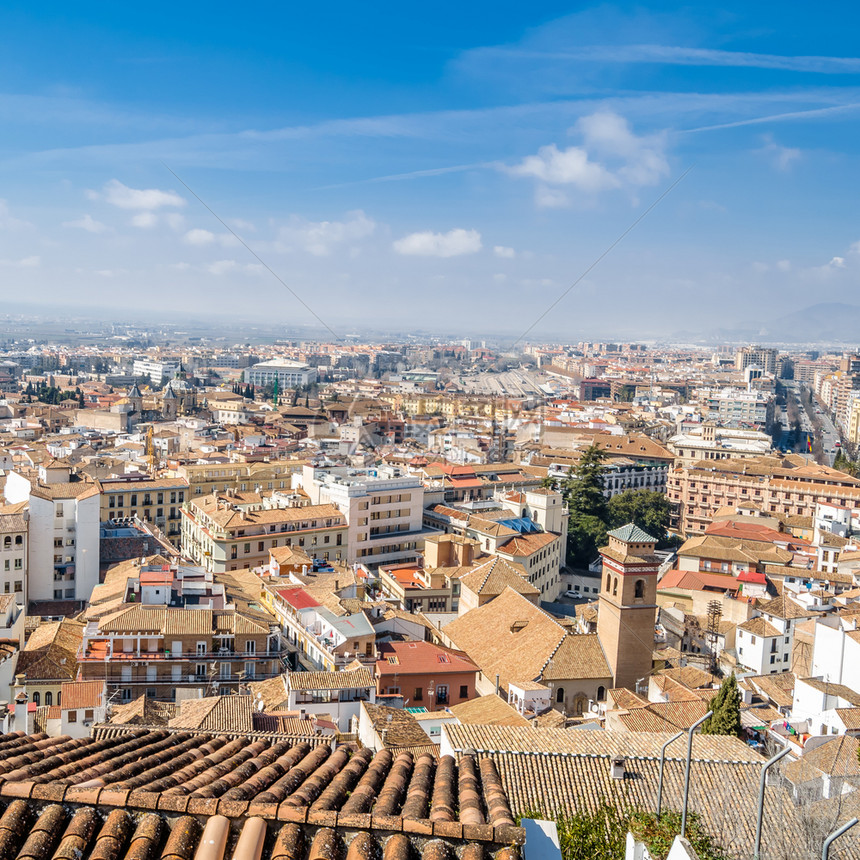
157,500
234,530
157,650
206,478
780,487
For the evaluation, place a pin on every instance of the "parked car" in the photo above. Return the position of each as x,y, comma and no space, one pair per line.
575,593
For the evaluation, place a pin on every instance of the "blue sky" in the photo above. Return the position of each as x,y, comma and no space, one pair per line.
450,167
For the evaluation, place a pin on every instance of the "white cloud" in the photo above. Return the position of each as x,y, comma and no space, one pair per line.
123,197
221,267
783,265
87,223
24,263
145,220
198,237
242,225
321,237
570,166
837,263
502,251
454,243
780,157
611,156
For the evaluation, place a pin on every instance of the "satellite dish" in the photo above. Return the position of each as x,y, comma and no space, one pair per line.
260,705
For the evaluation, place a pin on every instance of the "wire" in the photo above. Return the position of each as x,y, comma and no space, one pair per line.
606,252
253,253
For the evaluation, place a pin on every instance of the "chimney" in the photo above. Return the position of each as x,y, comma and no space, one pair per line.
617,769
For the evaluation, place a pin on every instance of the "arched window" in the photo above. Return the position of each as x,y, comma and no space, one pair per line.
36,699
18,540
60,693
639,589
559,695
615,586
49,699
608,578
7,542
601,693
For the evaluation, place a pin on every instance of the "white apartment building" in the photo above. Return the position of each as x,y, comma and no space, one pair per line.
13,554
765,642
63,539
735,408
707,442
383,508
158,371
289,374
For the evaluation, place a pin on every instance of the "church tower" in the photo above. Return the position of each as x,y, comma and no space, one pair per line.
627,609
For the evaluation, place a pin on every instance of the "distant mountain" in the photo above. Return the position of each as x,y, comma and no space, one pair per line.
824,323
827,322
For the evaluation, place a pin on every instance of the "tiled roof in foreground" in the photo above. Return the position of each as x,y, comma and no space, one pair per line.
556,770
142,795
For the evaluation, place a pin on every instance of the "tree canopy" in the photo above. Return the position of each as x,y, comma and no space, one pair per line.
648,509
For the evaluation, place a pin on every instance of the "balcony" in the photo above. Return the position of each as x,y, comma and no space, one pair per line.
100,655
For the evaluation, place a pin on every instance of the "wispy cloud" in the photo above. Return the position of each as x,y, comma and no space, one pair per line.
681,55
87,223
319,238
23,263
8,221
781,157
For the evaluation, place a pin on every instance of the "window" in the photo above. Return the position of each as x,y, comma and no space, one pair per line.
419,694
49,698
36,699
247,547
442,694
201,649
559,695
73,716
464,691
200,670
615,586
18,585
250,647
601,693
639,589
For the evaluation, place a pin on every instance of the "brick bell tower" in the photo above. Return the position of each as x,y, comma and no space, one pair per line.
627,608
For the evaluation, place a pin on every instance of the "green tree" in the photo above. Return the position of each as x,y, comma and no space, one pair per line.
726,705
842,463
587,506
648,509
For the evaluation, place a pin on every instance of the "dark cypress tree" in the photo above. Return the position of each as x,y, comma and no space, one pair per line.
726,705
587,505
